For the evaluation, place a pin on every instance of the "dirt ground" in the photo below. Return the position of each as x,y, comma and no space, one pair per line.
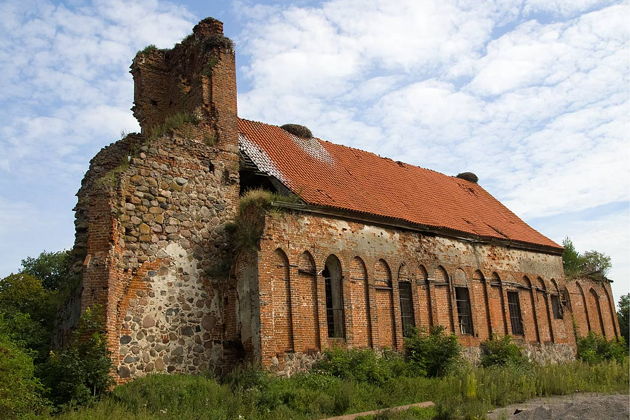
568,407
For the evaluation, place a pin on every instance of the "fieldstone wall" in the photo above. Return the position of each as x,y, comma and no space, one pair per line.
152,210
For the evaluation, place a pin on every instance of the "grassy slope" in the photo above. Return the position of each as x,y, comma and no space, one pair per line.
253,395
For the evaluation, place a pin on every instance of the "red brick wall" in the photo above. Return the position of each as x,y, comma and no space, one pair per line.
390,256
359,295
593,307
280,301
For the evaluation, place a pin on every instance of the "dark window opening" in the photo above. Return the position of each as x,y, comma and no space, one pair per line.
334,299
515,313
462,299
556,306
251,180
406,308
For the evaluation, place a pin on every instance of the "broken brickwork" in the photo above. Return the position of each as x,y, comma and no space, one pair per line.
155,210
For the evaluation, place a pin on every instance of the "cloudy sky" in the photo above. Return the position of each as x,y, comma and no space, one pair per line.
531,95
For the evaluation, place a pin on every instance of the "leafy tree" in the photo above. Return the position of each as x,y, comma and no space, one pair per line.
28,334
624,316
20,391
80,373
24,293
52,268
591,263
28,311
570,259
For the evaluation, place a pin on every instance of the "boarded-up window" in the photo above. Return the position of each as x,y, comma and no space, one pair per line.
406,308
556,306
515,313
334,298
462,298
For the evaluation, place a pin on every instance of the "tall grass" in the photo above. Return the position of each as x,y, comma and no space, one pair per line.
467,392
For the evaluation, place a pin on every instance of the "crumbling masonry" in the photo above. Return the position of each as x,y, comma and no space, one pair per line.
155,235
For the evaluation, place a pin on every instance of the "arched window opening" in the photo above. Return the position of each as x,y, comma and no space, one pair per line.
464,315
334,298
462,301
514,307
406,308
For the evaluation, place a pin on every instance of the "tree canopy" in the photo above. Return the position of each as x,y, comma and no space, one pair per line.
591,263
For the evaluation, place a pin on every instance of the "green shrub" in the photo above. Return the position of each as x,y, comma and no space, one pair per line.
148,49
80,373
171,123
594,348
501,351
218,42
20,391
249,224
361,365
433,353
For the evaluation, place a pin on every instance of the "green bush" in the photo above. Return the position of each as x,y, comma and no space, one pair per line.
594,348
501,351
361,365
432,353
20,391
80,373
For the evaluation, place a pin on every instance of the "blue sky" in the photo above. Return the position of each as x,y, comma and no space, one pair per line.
532,95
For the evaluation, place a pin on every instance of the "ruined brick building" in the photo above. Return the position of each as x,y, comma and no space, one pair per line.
354,250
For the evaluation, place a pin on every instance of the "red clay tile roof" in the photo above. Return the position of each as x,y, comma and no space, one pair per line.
331,175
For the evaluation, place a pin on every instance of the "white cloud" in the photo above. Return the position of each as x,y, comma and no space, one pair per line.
65,92
610,235
65,75
532,96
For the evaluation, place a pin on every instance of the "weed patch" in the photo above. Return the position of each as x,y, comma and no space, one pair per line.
111,177
172,123
335,389
147,50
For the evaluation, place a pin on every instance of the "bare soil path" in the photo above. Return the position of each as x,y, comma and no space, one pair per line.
582,406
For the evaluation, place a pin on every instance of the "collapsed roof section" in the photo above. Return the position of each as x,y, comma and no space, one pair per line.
332,177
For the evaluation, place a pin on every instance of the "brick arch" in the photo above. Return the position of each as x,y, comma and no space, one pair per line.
281,314
584,306
443,300
462,297
543,311
423,288
382,273
306,305
498,304
529,311
384,300
611,312
334,294
361,315
481,287
597,309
